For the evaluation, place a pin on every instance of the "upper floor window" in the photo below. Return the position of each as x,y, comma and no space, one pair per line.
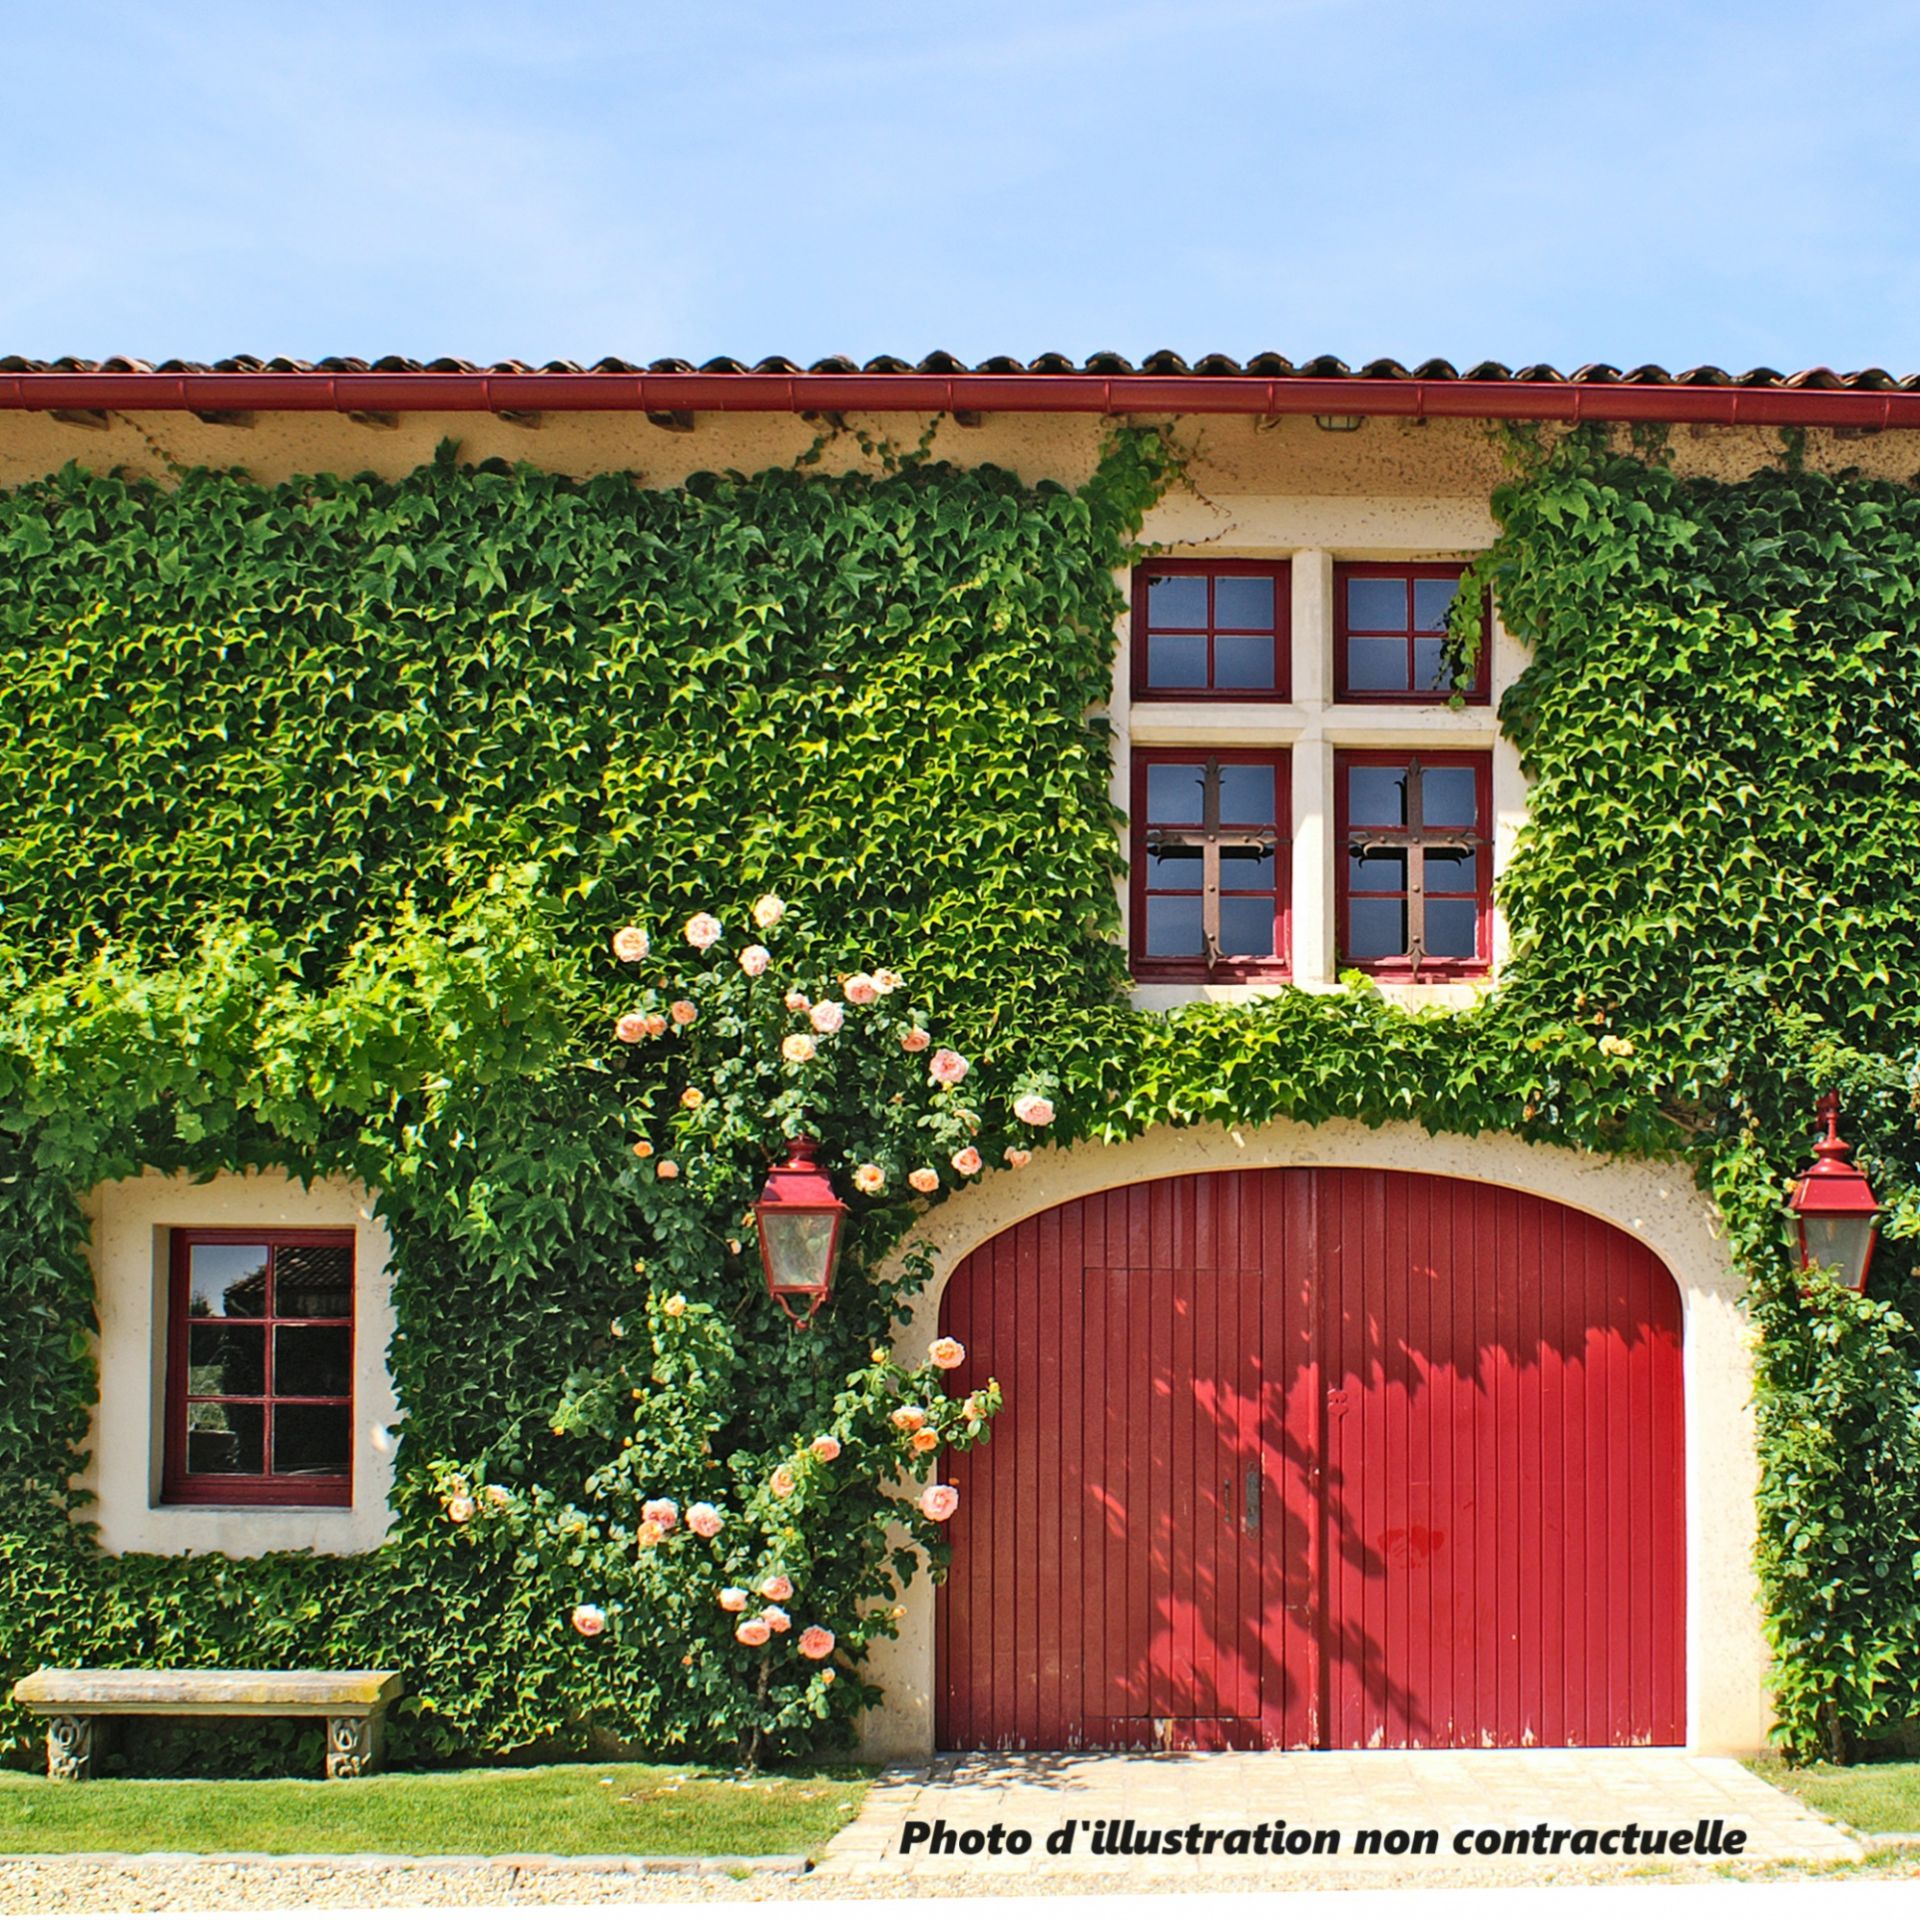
260,1368
1211,869
1211,630
1390,631
1415,892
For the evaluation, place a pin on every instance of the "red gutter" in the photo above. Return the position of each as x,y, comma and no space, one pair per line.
952,393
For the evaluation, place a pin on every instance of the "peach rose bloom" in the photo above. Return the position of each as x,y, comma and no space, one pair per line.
733,1599
948,1068
1035,1111
940,1502
704,1518
693,1099
497,1497
824,1448
776,1586
828,1017
753,1633
781,1480
631,1027
589,1619
798,1048
674,1305
967,1161
668,1170
924,1441
797,1002
1017,1157
777,1618
665,1514
460,1509
656,1025
702,931
816,1643
630,944
887,980
869,1178
767,911
754,961
924,1180
916,1040
909,1419
649,1533
684,1012
861,989
643,1149
946,1352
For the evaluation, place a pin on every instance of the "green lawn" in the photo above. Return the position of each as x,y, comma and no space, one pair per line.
1879,1796
607,1809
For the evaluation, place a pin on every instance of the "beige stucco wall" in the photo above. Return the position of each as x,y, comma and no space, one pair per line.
129,1223
1656,1202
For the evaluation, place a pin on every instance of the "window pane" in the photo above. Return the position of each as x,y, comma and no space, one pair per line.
1376,872
1243,600
1176,660
225,1437
1175,868
1177,600
1452,869
226,1359
1173,927
1246,928
1174,794
1452,929
1429,667
1376,929
313,1283
310,1439
1377,796
1431,599
1447,796
227,1281
1376,665
1244,868
1246,795
1243,660
1376,604
313,1360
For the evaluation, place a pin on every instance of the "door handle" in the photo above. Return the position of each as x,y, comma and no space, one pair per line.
1250,1513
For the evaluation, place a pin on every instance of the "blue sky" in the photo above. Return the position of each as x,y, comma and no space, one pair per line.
1565,182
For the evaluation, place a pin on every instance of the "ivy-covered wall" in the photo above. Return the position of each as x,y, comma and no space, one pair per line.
329,794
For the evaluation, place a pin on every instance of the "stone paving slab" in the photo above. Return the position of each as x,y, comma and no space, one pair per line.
1279,1802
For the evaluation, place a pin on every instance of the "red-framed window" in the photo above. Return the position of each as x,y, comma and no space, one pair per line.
259,1368
1390,631
1212,864
1212,630
1416,855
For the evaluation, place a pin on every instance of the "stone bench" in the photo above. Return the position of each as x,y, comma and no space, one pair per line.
75,1700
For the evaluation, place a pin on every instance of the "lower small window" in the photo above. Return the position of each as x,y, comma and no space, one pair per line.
1416,895
259,1368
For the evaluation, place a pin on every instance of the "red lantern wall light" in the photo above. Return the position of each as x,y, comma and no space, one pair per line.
1836,1207
800,1217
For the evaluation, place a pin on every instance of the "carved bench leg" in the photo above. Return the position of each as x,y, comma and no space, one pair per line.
70,1746
353,1745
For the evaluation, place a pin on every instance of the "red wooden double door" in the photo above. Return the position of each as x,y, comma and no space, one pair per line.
1317,1458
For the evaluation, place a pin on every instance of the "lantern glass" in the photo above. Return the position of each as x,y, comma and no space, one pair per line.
1843,1241
800,1245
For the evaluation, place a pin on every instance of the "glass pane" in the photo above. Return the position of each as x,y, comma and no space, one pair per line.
227,1281
1243,600
1246,795
799,1245
313,1360
225,1437
1453,928
1377,796
1174,795
1841,1241
1452,869
1431,599
1376,604
1429,668
1376,665
1173,927
1376,929
1175,867
310,1439
313,1283
1176,660
1376,872
1246,928
1177,600
1244,868
1243,660
1447,796
226,1359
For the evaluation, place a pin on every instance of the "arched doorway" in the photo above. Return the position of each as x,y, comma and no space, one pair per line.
1317,1457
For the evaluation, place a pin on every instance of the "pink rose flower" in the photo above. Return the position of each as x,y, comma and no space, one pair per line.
767,911
924,1180
916,1040
776,1586
630,944
777,1618
753,1633
684,1012
887,980
460,1509
704,1519
781,1480
631,1027
733,1599
589,1620
869,1178
967,1161
798,1048
649,1533
909,1419
656,1025
668,1170
828,1017
825,1447
1034,1110
754,961
816,1643
1017,1157
797,1002
948,1068
702,931
665,1514
946,1352
861,989
940,1502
